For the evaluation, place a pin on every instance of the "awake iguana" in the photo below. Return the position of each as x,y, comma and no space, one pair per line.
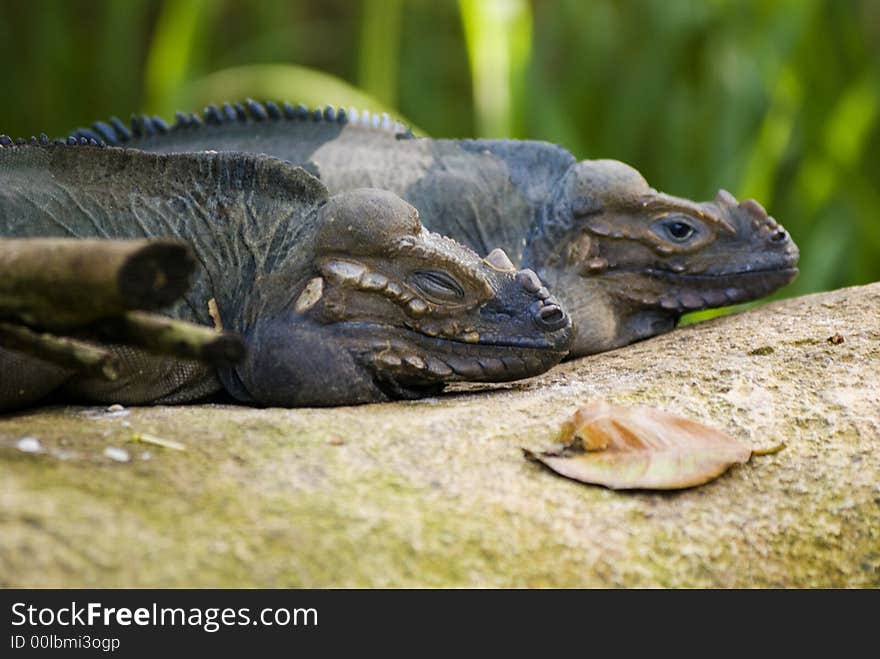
625,260
342,299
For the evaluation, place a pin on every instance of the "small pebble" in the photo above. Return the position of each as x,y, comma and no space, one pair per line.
118,454
103,413
146,455
29,445
125,424
336,441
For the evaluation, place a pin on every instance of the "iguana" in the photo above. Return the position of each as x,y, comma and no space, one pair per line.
625,260
341,299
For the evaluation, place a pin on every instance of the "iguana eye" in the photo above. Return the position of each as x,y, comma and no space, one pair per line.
677,229
437,285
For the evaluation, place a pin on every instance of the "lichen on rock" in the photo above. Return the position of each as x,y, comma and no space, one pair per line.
436,492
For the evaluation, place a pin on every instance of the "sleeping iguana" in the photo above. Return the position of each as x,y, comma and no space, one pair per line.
625,260
340,299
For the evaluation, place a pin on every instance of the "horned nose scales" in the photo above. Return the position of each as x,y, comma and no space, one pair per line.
762,222
498,260
546,311
765,225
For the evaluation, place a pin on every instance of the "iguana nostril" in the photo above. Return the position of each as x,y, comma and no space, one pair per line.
548,316
779,236
552,317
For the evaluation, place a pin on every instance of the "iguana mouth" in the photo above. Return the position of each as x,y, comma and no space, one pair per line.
770,276
699,291
410,357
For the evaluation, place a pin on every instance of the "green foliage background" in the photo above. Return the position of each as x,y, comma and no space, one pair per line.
775,99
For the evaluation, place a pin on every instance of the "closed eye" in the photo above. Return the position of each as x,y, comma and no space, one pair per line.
437,285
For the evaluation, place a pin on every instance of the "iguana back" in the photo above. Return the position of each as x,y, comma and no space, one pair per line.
472,191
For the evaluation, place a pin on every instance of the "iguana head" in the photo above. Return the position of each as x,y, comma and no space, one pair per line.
391,310
628,261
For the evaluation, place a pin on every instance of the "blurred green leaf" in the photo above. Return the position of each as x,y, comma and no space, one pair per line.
772,139
379,49
845,135
171,50
826,250
498,35
709,314
777,100
296,84
849,124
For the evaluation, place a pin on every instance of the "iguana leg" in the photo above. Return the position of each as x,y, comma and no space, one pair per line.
25,380
146,379
143,379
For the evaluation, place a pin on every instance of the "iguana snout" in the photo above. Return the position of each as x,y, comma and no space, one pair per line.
751,259
396,311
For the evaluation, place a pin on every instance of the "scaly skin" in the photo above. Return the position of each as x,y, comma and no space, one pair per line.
343,299
625,260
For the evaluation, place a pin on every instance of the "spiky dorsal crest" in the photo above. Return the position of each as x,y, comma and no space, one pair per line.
115,133
43,140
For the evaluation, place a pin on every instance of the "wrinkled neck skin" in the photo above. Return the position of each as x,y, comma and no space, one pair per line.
294,358
329,366
602,318
297,356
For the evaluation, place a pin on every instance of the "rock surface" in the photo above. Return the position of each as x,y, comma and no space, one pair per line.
437,493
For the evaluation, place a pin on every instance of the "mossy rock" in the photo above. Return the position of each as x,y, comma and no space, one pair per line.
437,492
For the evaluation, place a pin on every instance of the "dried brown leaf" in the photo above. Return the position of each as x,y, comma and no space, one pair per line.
641,448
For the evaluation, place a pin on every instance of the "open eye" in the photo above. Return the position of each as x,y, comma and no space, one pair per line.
677,229
437,285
